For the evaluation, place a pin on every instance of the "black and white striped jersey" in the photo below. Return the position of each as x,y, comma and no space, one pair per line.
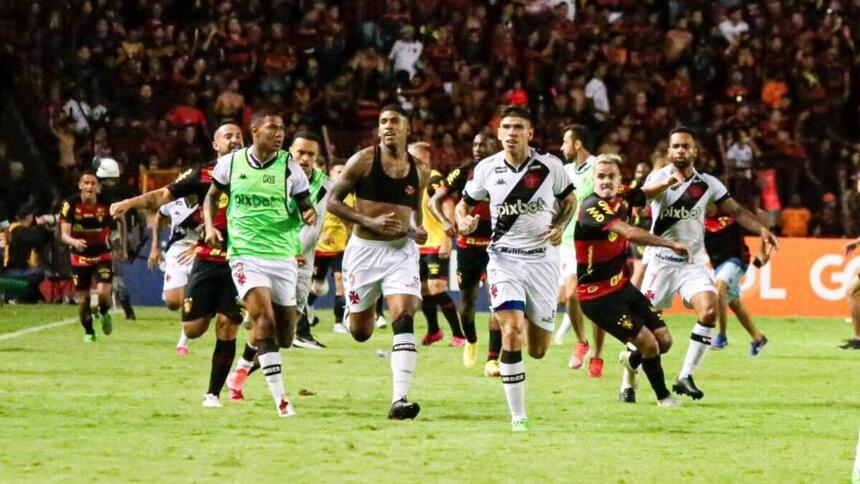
522,199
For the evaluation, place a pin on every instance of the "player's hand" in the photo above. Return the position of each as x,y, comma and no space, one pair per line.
553,235
118,209
187,256
79,244
309,216
445,249
682,250
771,244
300,260
214,238
155,259
675,179
850,246
468,224
450,230
387,224
2,239
419,234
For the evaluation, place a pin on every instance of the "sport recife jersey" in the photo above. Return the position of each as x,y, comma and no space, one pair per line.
522,199
679,213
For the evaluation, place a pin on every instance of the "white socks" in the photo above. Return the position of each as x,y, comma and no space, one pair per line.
404,358
514,382
270,364
700,342
183,340
565,326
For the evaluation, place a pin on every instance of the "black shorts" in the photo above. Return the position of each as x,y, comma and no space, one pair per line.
83,275
430,266
623,313
210,291
322,264
471,266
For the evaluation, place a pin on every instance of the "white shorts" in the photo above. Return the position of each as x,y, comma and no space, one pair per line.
531,280
567,258
663,279
303,287
278,275
379,267
176,274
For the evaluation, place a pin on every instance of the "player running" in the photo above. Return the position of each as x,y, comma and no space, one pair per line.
434,265
579,167
177,261
210,289
85,226
472,257
329,256
730,258
261,181
380,258
531,202
305,149
605,292
679,215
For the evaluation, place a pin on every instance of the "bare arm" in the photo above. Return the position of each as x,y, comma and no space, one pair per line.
643,237
210,208
66,237
155,250
442,210
148,201
750,222
656,189
345,185
466,224
566,209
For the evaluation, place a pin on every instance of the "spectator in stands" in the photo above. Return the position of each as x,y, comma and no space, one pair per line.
26,238
795,218
827,223
405,54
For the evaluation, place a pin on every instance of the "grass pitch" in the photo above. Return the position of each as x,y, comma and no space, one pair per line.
126,409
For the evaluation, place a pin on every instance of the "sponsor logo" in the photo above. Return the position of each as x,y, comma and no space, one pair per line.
501,181
520,207
242,176
255,201
269,179
500,169
681,213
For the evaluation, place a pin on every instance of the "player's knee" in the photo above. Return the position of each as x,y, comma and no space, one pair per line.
403,324
708,315
194,329
665,342
266,345
173,304
537,351
361,334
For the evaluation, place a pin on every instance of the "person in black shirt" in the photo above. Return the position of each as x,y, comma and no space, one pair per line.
604,290
730,258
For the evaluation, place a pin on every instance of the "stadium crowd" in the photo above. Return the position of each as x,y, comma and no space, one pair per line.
772,88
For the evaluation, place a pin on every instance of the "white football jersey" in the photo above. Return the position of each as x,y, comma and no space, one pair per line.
178,211
679,212
522,200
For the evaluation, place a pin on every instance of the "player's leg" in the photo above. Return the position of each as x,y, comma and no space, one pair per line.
759,340
595,363
720,340
511,316
574,315
428,306
363,270
494,347
404,356
854,306
339,299
83,278
226,328
437,285
697,288
304,338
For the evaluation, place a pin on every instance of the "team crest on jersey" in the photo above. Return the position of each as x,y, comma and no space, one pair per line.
354,298
625,322
186,304
494,291
532,180
410,190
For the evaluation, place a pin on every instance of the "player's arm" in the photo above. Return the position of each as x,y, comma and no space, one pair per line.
474,191
66,237
417,231
150,200
643,237
751,223
213,236
656,188
437,208
357,167
155,257
566,209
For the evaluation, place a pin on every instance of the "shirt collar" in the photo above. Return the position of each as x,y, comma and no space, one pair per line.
254,162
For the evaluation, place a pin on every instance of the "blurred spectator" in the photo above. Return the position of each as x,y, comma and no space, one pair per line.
795,218
26,238
405,54
827,223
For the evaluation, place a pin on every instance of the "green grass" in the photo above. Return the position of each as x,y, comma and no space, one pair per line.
127,409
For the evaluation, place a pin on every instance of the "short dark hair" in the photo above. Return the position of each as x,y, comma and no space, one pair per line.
396,108
87,172
682,129
580,132
262,113
308,135
515,111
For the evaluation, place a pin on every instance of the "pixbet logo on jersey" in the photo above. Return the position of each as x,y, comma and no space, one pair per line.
681,213
521,208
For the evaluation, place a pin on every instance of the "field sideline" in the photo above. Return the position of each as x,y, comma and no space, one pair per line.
127,409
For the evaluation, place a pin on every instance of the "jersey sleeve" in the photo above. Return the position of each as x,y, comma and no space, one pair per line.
475,189
456,181
721,193
436,181
187,183
561,184
67,215
298,185
598,214
222,171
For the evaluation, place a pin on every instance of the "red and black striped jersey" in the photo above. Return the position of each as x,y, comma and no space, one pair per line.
456,183
601,255
724,240
92,223
194,184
